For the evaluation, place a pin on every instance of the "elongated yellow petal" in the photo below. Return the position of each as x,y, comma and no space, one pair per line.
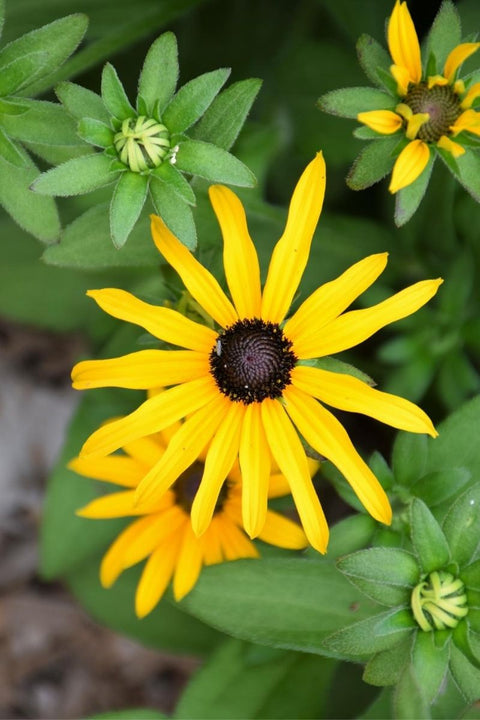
288,451
145,450
168,325
118,469
291,252
401,75
235,544
355,326
199,282
163,527
469,120
324,433
278,486
156,575
473,93
385,122
254,457
414,123
212,548
189,564
240,260
450,146
348,393
183,449
112,562
113,505
409,165
154,414
457,56
281,531
141,370
331,299
403,41
221,455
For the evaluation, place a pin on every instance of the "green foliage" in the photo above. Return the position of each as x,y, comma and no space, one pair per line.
348,102
444,35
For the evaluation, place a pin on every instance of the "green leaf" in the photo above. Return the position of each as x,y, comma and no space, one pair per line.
12,153
114,95
465,675
409,198
279,602
95,132
466,169
348,102
380,468
173,211
132,714
429,663
77,176
159,75
213,163
457,444
9,107
377,633
37,215
80,102
191,101
57,39
385,667
374,162
408,699
373,56
17,74
385,574
351,534
332,364
365,133
170,175
461,525
429,542
436,487
409,457
470,575
467,642
43,122
445,34
226,116
2,15
128,200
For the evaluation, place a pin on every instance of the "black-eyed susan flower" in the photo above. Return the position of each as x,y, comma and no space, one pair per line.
248,386
426,109
161,532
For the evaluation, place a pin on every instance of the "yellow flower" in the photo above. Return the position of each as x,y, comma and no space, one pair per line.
431,109
249,388
162,532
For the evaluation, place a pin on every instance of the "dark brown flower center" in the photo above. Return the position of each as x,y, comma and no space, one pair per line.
187,484
440,102
252,360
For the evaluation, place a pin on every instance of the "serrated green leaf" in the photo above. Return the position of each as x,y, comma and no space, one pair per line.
128,200
114,95
429,541
348,102
175,213
461,525
444,35
380,632
159,75
408,699
409,457
17,74
57,39
80,102
372,57
37,215
429,664
170,175
77,176
12,153
43,122
226,116
465,675
213,163
409,198
95,132
191,101
384,566
374,162
386,666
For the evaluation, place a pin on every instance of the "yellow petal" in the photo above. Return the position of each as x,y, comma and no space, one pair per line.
221,455
189,564
324,433
409,165
436,80
118,469
235,544
240,259
113,505
154,414
348,393
291,252
145,450
457,56
385,122
331,299
162,530
183,449
281,531
278,486
414,123
401,75
450,146
473,93
141,370
469,120
355,326
254,457
168,325
288,451
112,562
212,548
199,282
155,577
403,42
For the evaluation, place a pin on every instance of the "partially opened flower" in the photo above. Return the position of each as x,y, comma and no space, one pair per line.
248,387
162,532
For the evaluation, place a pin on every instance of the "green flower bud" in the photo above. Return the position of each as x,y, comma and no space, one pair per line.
142,143
439,601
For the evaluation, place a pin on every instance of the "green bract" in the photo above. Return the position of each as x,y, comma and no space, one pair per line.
43,127
145,150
